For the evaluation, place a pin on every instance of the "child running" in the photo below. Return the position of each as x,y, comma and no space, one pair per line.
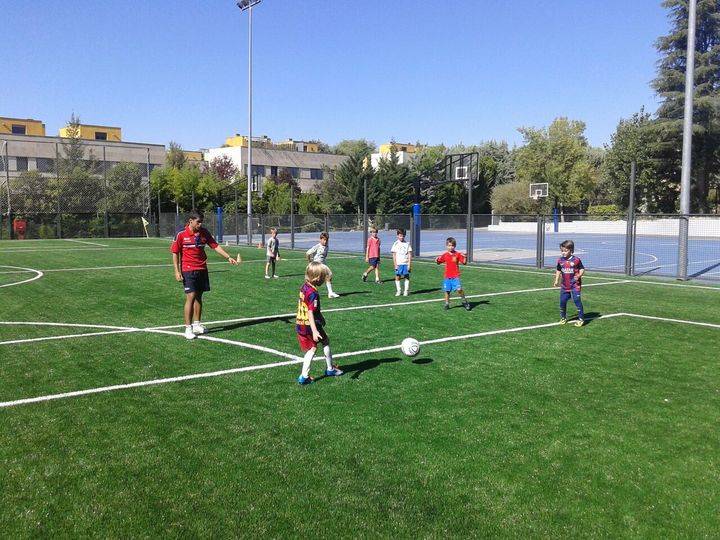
402,260
190,264
273,253
318,253
310,324
452,259
372,255
568,276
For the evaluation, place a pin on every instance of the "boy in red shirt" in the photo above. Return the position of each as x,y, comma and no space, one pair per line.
190,264
372,255
452,259
310,324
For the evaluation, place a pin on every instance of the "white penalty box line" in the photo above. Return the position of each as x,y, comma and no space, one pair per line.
297,360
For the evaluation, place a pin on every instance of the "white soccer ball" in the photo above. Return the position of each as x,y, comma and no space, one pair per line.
410,346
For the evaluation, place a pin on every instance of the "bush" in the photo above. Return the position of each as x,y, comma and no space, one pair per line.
604,210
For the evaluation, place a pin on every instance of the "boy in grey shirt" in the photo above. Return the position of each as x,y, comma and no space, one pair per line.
318,253
273,253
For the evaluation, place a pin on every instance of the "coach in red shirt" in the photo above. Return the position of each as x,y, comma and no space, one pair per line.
190,263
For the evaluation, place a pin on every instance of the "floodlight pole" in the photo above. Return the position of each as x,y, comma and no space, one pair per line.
470,218
365,213
248,5
687,144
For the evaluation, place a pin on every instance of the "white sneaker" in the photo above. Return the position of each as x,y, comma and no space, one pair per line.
275,276
198,328
406,293
397,293
189,333
333,295
267,277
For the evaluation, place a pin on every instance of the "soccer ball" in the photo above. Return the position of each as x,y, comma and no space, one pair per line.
410,346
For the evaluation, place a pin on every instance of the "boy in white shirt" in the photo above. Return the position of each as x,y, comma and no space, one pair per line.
273,253
402,259
318,253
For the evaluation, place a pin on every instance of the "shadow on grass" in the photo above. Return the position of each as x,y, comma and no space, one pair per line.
243,324
591,317
353,292
423,291
422,361
357,369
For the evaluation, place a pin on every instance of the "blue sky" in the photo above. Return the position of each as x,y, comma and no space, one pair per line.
414,70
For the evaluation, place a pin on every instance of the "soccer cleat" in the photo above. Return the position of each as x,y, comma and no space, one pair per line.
467,306
305,380
189,334
364,278
198,328
563,321
267,277
378,282
579,323
333,295
334,372
446,307
397,293
275,276
406,293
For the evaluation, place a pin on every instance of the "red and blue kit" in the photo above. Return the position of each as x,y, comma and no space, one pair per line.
308,301
452,261
191,247
570,268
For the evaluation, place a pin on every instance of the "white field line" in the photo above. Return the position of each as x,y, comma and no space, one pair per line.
85,242
68,336
38,275
297,360
89,248
388,305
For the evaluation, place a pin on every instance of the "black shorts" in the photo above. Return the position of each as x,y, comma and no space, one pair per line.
272,259
196,281
374,261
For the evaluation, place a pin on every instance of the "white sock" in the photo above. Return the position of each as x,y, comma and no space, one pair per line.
407,285
329,286
328,357
397,285
196,322
188,326
306,362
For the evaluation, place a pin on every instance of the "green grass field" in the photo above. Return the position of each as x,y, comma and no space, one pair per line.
543,430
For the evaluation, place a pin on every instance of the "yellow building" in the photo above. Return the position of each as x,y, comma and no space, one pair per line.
399,147
192,155
242,140
299,146
94,133
21,126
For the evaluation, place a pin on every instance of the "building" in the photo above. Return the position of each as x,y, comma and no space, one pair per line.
21,126
404,152
193,156
90,132
242,140
298,146
308,168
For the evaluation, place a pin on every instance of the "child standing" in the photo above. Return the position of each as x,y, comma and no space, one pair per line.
310,325
318,253
568,275
402,260
273,253
190,264
372,255
452,259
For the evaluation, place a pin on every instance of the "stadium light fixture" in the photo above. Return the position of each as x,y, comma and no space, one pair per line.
247,5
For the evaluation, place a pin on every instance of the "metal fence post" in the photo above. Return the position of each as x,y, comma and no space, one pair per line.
7,180
327,223
630,229
59,190
262,228
105,195
292,217
540,243
469,224
683,230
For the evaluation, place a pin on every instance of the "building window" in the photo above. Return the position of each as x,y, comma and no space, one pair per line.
101,136
21,164
316,174
18,129
258,170
294,171
273,171
46,165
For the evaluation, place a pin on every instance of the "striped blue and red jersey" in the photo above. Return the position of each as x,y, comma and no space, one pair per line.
309,300
570,268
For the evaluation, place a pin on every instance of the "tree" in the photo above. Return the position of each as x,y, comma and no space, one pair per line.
560,156
224,169
354,147
635,140
392,187
124,188
513,198
342,192
670,84
175,157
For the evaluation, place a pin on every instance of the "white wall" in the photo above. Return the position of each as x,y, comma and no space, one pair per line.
699,226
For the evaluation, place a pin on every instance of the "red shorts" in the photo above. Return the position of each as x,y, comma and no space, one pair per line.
307,342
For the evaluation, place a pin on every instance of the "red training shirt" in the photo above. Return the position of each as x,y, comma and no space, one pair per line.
452,270
373,248
191,247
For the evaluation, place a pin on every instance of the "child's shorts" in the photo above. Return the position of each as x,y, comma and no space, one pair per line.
452,284
402,271
374,261
307,342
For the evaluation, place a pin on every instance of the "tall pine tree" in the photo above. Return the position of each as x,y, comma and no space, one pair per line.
670,86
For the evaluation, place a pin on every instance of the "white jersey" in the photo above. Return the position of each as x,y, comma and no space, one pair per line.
273,247
402,252
318,253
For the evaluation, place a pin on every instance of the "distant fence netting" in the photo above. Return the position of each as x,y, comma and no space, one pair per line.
66,191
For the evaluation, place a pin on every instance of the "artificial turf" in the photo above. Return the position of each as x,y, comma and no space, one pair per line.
605,430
